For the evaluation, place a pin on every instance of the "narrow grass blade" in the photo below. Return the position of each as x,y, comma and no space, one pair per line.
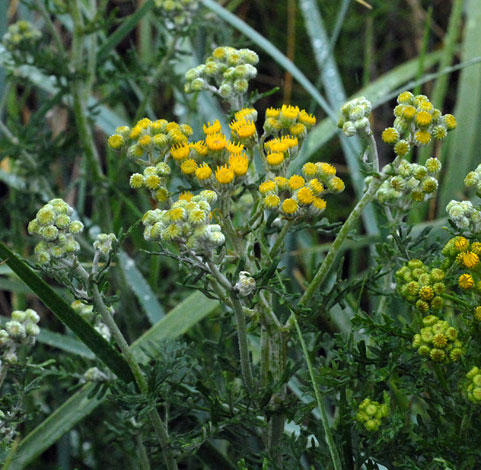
463,146
126,26
275,53
62,310
189,312
141,288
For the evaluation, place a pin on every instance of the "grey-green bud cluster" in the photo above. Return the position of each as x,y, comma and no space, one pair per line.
21,36
227,72
54,225
473,386
186,223
177,13
105,242
464,215
86,311
21,329
155,179
246,284
473,178
409,182
354,117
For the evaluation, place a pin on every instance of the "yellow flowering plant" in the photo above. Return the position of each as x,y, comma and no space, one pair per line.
227,294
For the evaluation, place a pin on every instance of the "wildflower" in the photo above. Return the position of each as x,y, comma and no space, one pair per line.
213,128
224,175
179,152
116,141
267,187
275,159
296,182
271,201
216,142
239,163
470,259
188,166
390,135
305,195
289,206
203,172
466,281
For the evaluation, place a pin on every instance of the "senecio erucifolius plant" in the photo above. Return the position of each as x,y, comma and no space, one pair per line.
294,367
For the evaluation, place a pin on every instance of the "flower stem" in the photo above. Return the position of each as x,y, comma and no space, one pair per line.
336,462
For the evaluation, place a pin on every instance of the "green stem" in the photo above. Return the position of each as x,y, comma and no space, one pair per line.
142,454
456,300
278,243
336,462
241,327
328,261
157,423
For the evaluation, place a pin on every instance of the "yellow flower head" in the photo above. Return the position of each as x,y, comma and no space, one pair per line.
461,244
243,128
470,259
203,172
390,135
271,201
188,166
426,293
423,118
135,132
179,152
402,147
152,182
408,112
289,113
289,206
144,123
239,163
185,196
309,170
298,129
316,186
176,214
422,137
273,113
213,128
291,141
161,194
216,142
405,97
305,195
326,169
234,148
145,141
224,174
318,205
450,121
466,281
275,159
246,114
307,119
281,182
267,187
158,126
296,182
116,141
136,180
336,184
426,106
276,145
199,148
176,136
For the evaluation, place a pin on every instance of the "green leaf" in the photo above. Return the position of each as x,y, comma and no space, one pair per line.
141,288
64,312
189,312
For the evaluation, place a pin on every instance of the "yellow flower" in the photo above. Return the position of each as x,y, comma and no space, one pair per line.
296,182
289,113
179,152
224,174
470,259
116,141
185,196
152,182
234,148
336,184
408,112
291,141
246,114
213,128
450,121
176,136
175,214
390,135
267,187
281,182
158,126
466,281
440,340
243,128
216,142
405,97
289,206
426,293
422,137
423,118
200,148
318,205
188,166
426,106
401,148
461,244
276,145
145,141
316,186
144,123
271,201
298,129
309,170
326,169
135,132
203,172
239,163
161,194
136,181
305,195
273,112
275,159
307,119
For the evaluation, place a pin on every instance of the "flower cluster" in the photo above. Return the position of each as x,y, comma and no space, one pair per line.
152,139
409,182
21,329
177,13
246,284
86,311
473,178
186,223
54,225
299,196
473,387
464,215
288,119
21,36
105,242
371,413
438,340
226,72
354,117
421,286
153,178
416,123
